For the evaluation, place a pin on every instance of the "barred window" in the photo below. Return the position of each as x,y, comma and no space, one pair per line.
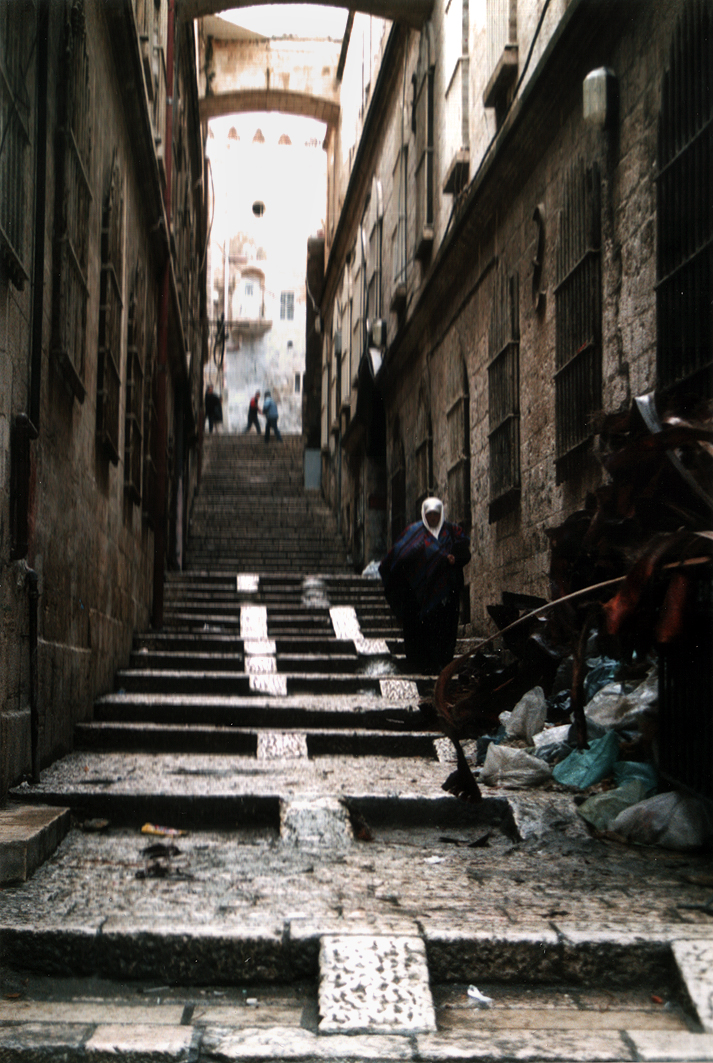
398,484
504,395
578,313
399,238
685,212
376,231
110,311
74,197
424,451
287,306
150,420
361,296
17,50
135,346
458,425
423,122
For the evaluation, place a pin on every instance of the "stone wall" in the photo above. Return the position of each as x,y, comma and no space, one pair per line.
514,197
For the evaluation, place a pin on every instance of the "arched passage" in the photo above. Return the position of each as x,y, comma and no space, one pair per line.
412,12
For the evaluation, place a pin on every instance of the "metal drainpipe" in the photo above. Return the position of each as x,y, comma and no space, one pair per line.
162,353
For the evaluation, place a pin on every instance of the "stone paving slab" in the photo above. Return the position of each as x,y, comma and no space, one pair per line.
139,1044
28,835
695,962
374,985
253,1045
663,1047
525,1046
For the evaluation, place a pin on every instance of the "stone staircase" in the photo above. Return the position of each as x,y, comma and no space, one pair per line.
262,864
253,514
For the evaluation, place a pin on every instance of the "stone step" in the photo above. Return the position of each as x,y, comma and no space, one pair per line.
313,711
28,836
246,741
163,681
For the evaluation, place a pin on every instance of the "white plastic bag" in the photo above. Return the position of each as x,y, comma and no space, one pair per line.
528,717
671,820
513,768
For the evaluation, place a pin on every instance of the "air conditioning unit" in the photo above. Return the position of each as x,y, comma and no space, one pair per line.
378,333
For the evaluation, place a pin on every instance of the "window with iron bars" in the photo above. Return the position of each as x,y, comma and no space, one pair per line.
110,313
150,433
287,306
423,127
73,203
399,238
458,427
684,211
133,425
504,395
578,315
17,29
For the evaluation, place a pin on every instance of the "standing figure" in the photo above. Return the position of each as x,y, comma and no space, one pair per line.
213,407
269,409
253,411
423,580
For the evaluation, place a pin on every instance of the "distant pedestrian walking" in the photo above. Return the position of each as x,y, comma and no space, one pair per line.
253,411
269,409
213,407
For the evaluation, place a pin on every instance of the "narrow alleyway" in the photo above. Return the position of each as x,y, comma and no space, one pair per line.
301,875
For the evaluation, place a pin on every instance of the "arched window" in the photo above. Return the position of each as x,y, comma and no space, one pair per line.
685,194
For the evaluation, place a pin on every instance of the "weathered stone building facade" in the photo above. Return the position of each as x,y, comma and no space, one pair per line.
102,235
527,211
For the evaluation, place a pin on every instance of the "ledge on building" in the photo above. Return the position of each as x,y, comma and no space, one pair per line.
246,326
398,298
458,171
503,77
424,243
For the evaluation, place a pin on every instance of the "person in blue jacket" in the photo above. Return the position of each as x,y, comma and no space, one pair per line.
423,579
269,412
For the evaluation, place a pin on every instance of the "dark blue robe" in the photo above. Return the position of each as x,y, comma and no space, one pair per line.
423,589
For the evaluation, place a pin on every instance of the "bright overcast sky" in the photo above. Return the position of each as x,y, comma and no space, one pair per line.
290,20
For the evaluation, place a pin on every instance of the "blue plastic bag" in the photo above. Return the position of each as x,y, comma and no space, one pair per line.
584,767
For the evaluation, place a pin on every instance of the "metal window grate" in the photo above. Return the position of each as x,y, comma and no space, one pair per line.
110,313
17,27
504,395
423,118
578,354
133,427
685,204
74,198
458,430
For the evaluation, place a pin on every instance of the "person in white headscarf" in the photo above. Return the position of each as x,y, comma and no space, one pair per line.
423,579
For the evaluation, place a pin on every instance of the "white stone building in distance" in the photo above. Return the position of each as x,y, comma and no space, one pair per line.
267,195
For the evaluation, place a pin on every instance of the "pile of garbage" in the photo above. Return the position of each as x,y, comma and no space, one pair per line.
567,694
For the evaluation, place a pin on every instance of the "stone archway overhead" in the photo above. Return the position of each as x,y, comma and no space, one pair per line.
412,12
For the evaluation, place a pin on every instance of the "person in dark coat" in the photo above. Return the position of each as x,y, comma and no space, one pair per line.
213,407
423,579
253,411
